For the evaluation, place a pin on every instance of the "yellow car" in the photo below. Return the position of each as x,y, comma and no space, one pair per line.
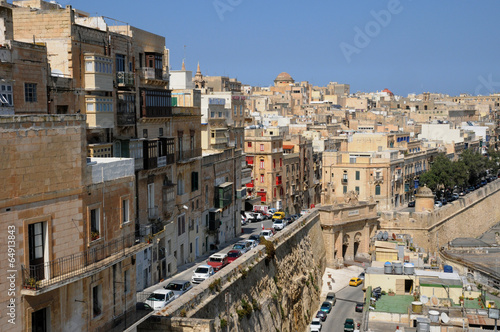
279,215
355,282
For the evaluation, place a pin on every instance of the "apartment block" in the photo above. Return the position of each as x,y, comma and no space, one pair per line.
73,219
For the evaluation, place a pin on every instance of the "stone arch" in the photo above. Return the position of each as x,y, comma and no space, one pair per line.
357,242
345,244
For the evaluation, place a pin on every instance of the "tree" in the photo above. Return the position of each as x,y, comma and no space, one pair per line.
475,165
441,174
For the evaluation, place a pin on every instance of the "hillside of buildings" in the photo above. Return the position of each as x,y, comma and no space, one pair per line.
121,169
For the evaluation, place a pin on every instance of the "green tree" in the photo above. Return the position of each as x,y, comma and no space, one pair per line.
441,174
475,165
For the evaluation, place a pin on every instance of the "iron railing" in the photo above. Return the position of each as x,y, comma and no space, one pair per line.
42,275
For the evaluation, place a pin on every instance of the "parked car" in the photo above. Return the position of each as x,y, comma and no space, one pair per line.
253,243
160,298
202,273
279,224
455,196
143,307
349,325
411,204
326,307
331,297
321,315
232,255
355,282
271,211
315,325
259,216
218,261
179,287
438,204
251,216
242,246
295,217
362,276
278,215
359,307
267,234
255,237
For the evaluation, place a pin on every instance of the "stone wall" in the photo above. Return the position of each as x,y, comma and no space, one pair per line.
283,292
469,216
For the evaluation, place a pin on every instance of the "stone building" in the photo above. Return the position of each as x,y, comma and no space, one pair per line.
72,221
347,229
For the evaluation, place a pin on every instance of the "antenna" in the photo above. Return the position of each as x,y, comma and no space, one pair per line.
184,53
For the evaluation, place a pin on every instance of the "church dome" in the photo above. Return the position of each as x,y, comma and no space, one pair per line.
284,77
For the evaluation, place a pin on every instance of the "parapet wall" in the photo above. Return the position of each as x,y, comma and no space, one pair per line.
469,216
283,292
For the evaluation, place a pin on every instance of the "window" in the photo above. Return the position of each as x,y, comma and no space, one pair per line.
344,177
241,109
281,162
274,192
6,95
125,211
30,92
97,300
126,281
352,160
235,110
95,225
345,189
145,133
194,181
262,147
262,163
120,62
206,194
274,163
377,190
181,224
36,250
357,175
249,144
261,178
357,190
160,132
180,185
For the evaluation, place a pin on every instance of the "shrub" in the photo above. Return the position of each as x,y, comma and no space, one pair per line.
183,312
215,285
244,273
246,309
270,250
223,323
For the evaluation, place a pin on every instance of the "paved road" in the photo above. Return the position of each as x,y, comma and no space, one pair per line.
186,271
344,308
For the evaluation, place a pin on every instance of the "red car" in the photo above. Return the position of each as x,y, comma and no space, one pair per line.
233,254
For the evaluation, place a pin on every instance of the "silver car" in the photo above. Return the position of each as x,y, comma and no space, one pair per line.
179,287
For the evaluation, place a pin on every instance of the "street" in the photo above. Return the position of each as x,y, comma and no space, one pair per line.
344,308
186,271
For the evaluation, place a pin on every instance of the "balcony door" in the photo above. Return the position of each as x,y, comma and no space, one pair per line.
39,321
151,200
36,250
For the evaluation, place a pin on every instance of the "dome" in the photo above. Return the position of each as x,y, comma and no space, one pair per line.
284,77
424,191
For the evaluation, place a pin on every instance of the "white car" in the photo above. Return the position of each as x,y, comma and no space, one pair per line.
267,234
279,224
243,246
160,298
253,243
315,325
202,273
179,287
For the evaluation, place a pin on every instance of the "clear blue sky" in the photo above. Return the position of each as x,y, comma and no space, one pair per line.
438,46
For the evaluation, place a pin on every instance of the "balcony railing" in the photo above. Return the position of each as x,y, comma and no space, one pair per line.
378,178
183,155
154,74
37,277
125,79
344,181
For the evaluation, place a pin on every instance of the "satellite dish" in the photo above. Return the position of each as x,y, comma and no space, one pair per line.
379,236
385,236
444,318
424,299
434,301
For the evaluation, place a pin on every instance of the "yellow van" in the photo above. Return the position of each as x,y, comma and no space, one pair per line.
279,215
